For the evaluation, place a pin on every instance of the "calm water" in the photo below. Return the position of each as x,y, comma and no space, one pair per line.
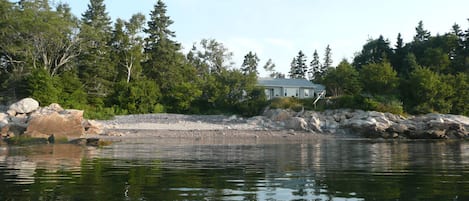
314,169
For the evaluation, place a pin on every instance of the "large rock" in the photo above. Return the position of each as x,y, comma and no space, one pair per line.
11,113
67,124
296,123
279,115
315,123
93,127
12,130
3,119
24,106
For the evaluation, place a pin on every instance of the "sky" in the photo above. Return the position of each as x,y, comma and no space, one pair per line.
279,29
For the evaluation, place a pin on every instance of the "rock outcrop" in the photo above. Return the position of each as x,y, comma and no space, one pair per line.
372,124
66,124
26,118
24,106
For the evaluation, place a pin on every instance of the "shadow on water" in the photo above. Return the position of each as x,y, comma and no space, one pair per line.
238,169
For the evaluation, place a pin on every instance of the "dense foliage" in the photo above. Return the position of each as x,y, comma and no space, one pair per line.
136,66
129,67
428,74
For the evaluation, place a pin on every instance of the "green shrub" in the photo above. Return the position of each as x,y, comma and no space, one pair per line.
98,113
373,103
158,108
22,140
286,103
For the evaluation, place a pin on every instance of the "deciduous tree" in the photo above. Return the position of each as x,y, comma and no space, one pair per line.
343,80
379,78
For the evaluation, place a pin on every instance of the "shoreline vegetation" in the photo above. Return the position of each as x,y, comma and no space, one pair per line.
53,124
136,66
105,69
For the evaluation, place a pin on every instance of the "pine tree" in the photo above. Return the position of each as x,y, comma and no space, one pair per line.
422,34
298,67
315,69
327,59
160,50
94,63
250,63
166,65
398,56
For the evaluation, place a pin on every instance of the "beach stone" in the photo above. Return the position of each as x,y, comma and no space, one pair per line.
93,127
68,124
55,107
280,115
26,105
11,113
11,130
315,123
296,123
19,119
3,119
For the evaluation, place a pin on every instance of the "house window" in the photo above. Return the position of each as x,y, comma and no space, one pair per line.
291,92
306,92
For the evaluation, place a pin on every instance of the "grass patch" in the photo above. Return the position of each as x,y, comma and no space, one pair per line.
23,140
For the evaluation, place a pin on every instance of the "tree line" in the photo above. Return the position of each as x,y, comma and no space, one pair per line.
136,66
129,66
428,74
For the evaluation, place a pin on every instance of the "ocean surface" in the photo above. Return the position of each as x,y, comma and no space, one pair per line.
243,169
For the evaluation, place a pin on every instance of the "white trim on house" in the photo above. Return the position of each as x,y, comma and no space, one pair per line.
299,88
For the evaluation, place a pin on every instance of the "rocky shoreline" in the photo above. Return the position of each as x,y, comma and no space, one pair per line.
26,118
371,124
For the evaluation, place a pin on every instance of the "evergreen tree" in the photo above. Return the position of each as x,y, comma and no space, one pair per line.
94,62
298,66
292,72
422,34
166,65
409,64
315,70
327,59
400,52
250,64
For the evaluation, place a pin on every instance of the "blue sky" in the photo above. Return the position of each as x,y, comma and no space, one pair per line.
278,29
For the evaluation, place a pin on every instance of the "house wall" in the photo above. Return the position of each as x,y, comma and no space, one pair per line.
273,92
291,92
306,93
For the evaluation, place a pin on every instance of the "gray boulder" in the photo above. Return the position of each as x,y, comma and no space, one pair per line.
25,106
3,119
296,123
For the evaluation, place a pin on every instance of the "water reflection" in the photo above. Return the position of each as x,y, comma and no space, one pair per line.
239,169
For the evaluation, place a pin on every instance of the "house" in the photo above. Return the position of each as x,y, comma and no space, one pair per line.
300,88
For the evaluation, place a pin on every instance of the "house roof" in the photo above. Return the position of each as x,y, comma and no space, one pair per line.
278,82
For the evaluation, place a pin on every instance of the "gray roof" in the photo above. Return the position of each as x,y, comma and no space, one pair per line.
277,82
